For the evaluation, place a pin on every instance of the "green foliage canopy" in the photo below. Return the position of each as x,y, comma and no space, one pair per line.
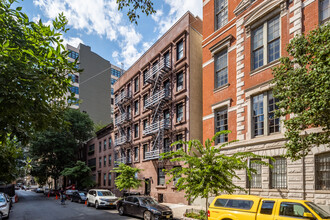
33,69
302,85
80,173
206,169
126,178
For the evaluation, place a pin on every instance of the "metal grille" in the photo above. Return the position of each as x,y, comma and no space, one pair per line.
278,173
255,181
322,166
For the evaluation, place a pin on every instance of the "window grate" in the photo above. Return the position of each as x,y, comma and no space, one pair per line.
278,173
255,181
322,166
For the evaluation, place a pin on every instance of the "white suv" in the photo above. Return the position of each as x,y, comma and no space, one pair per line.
101,198
4,206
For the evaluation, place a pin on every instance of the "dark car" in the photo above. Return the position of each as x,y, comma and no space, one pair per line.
78,197
145,207
68,193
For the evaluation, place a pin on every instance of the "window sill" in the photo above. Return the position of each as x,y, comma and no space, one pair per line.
176,93
161,187
320,191
180,123
264,67
221,88
180,60
136,161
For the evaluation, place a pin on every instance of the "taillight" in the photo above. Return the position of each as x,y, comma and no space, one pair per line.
208,213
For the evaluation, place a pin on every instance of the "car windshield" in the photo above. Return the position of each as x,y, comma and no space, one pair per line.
149,201
321,212
104,193
2,198
82,194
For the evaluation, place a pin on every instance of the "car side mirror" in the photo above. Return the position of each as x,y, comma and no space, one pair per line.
137,203
308,215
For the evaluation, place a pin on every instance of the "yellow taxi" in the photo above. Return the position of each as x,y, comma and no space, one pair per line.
247,207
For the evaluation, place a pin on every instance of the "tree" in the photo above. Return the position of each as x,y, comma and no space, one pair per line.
54,150
33,73
206,169
80,173
127,177
302,86
10,156
146,7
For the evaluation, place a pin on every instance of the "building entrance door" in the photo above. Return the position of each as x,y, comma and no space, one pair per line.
147,187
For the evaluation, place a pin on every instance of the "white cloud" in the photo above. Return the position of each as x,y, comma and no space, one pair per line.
73,41
177,10
159,13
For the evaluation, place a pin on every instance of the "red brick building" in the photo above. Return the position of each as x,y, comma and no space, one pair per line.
158,101
242,41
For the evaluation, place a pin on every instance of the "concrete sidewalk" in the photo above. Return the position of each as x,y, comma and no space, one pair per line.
180,209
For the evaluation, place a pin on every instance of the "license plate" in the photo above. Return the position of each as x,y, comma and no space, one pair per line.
168,216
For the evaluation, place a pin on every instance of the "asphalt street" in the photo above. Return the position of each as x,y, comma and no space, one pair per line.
36,206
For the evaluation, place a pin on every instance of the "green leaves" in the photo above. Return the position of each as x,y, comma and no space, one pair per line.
126,178
302,85
146,7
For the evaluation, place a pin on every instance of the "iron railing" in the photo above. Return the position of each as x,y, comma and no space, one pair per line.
122,140
157,97
162,65
156,126
123,97
122,118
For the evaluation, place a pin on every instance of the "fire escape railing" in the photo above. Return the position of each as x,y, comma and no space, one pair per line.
123,97
122,140
156,126
157,97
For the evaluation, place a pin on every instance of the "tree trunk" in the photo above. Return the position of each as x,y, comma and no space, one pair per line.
206,206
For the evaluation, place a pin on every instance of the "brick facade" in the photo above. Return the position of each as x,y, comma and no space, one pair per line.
240,40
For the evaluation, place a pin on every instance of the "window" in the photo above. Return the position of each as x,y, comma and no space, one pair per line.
221,124
74,78
161,177
292,209
179,50
263,54
109,159
104,144
136,84
128,133
221,13
100,147
221,69
267,207
74,89
100,162
145,97
109,179
91,149
145,123
324,10
167,61
234,203
72,54
110,143
113,81
136,107
115,72
278,173
112,91
179,81
129,156
167,87
255,181
167,116
111,101
178,138
167,145
263,113
105,161
92,164
179,112
136,130
104,179
136,153
145,150
145,77
322,168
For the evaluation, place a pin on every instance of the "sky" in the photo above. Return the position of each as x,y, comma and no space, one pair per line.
109,33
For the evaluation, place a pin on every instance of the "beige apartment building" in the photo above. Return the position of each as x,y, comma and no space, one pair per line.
158,100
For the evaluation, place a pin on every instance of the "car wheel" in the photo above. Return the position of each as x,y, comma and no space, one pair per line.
147,215
121,210
79,200
97,205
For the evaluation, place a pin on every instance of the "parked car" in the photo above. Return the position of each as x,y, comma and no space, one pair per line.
69,192
79,197
4,206
39,190
145,207
257,208
46,191
101,198
9,199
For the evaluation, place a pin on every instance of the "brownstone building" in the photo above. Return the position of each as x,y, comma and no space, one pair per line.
99,157
158,101
242,41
